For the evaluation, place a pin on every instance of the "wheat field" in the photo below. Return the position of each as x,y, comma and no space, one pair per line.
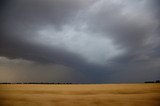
80,95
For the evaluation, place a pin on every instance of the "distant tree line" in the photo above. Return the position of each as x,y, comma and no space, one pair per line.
157,81
34,83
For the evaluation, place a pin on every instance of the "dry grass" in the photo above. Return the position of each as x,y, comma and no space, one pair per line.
80,95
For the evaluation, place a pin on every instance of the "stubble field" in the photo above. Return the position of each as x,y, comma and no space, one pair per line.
80,95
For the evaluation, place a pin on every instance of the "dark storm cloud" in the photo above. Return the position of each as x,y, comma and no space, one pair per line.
19,21
132,26
22,17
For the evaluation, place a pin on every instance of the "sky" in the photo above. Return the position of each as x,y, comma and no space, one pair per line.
79,41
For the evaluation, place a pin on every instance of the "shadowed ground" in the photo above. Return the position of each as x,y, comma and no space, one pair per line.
80,95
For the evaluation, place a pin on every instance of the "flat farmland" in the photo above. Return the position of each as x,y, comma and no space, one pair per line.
80,95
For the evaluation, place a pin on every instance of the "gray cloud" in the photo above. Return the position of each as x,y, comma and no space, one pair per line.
105,41
132,26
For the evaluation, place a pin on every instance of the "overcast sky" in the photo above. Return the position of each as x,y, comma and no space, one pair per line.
79,41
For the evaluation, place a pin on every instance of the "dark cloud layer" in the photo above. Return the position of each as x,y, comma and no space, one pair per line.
103,41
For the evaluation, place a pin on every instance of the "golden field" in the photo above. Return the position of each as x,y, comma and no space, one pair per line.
80,95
